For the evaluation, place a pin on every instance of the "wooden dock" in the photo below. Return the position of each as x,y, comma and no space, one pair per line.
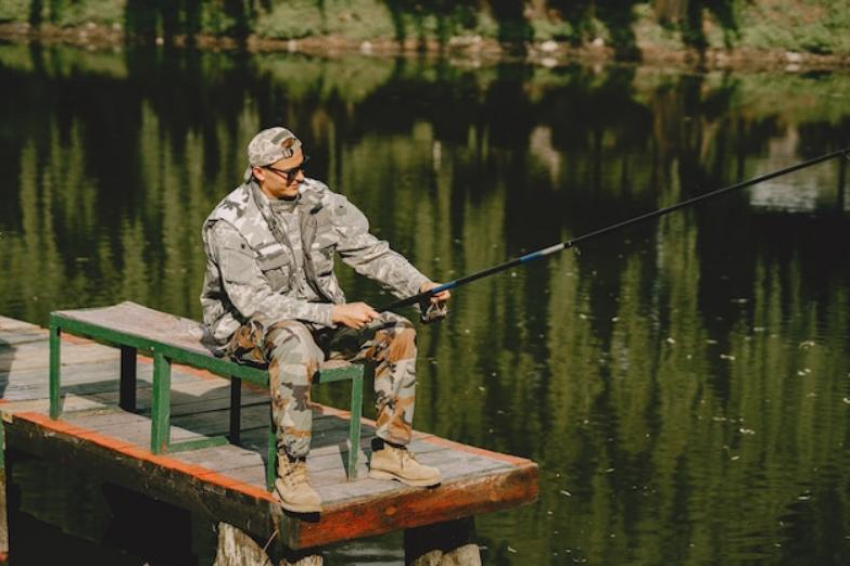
227,483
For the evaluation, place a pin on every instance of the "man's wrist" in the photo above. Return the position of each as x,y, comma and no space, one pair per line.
325,314
418,284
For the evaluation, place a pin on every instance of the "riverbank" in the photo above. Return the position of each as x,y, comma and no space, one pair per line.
776,34
470,49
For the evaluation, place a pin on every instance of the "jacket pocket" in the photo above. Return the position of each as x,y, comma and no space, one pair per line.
276,270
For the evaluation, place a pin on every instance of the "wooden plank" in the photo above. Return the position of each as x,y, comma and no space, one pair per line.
14,325
128,428
13,339
223,458
144,322
104,419
328,471
73,403
255,418
35,355
250,475
101,380
457,469
37,379
255,439
101,371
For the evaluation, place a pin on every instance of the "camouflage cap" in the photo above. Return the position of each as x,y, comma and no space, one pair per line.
271,145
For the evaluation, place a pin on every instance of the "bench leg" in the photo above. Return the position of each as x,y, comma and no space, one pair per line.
354,426
127,395
235,409
271,453
55,371
161,404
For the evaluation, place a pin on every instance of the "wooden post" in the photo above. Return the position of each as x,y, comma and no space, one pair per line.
127,394
442,544
235,548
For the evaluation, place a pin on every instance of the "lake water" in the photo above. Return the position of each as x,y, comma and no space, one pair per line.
684,384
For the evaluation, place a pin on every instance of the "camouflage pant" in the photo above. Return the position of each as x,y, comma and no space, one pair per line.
293,353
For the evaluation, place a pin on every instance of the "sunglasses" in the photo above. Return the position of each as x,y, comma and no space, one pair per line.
289,174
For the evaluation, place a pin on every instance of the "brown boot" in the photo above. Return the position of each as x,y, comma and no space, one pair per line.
292,487
398,463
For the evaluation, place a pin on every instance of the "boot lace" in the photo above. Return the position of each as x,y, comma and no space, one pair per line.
407,457
296,474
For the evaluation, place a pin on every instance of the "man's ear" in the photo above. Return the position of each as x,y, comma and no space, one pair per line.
259,173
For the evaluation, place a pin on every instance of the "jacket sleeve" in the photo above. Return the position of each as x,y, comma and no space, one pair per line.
249,290
370,256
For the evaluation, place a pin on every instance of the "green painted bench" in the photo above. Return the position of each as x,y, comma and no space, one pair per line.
168,339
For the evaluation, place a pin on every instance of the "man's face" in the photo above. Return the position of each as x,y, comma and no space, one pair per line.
282,178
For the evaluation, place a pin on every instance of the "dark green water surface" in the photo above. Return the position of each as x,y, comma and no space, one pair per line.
684,384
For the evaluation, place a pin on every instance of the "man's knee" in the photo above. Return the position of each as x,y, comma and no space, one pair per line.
290,341
287,334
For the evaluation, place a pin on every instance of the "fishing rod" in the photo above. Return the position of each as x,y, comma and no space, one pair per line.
596,233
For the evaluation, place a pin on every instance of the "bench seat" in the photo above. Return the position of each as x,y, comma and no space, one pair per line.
171,339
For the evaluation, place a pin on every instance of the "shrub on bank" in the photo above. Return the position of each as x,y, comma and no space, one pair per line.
816,26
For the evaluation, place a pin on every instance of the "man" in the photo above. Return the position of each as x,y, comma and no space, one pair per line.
271,297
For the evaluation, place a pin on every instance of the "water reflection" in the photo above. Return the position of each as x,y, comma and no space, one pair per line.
683,384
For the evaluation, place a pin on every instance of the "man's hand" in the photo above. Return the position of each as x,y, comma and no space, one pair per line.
436,299
435,309
353,315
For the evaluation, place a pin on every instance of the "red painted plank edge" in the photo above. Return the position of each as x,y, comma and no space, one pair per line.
400,510
203,474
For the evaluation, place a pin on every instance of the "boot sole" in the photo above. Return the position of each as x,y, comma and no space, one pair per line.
297,508
301,509
382,475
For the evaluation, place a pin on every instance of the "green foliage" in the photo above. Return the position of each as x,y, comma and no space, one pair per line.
71,13
815,26
558,30
291,19
63,13
14,10
214,20
354,19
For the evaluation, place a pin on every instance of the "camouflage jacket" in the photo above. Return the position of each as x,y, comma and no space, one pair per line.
251,268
